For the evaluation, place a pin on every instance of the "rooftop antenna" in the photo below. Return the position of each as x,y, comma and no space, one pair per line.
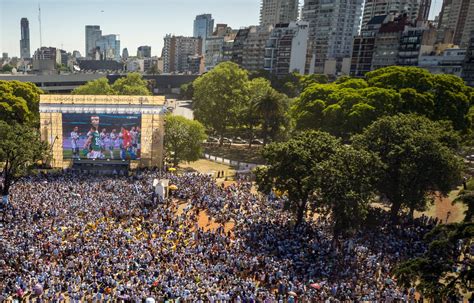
39,19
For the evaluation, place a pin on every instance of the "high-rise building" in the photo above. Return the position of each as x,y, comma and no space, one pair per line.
108,47
93,33
333,25
456,21
364,45
176,52
387,42
249,47
468,66
25,39
273,12
144,51
414,42
203,26
424,11
410,8
125,54
4,56
286,48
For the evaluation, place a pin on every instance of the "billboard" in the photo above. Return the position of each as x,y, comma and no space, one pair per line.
101,136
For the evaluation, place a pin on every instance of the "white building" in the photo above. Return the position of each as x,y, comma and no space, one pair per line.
135,65
449,62
286,48
332,27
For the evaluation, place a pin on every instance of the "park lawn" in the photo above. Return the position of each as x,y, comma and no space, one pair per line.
234,152
205,167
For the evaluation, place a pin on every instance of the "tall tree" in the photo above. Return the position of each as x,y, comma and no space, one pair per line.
132,84
272,109
291,167
99,86
183,139
19,102
418,158
251,115
219,96
20,149
346,182
444,272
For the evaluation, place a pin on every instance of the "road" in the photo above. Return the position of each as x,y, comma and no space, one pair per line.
183,108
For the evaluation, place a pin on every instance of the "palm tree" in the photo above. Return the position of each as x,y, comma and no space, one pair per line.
272,108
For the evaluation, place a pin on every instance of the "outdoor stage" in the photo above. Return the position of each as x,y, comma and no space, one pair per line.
60,115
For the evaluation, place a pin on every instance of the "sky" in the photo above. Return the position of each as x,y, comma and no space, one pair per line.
138,22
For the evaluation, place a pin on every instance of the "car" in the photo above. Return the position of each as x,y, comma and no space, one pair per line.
239,140
257,142
212,140
226,140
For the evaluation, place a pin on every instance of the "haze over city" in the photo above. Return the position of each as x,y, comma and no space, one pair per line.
140,22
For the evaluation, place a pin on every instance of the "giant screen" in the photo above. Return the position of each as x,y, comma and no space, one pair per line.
101,136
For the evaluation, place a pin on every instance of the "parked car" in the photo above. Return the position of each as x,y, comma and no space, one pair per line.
227,140
239,140
212,140
257,142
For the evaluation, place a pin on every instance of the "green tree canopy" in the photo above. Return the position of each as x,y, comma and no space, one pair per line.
386,91
132,85
99,86
20,149
19,102
220,96
444,272
187,91
291,167
418,158
183,139
7,68
346,183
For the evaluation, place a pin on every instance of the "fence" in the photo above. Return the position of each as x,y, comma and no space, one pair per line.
237,164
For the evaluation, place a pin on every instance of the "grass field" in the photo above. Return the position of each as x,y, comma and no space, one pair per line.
205,167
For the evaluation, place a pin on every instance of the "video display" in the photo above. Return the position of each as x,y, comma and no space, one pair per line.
101,136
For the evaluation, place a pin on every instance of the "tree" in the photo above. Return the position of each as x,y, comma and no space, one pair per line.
183,139
346,183
291,167
251,115
132,85
272,108
219,97
153,70
19,102
444,272
356,103
418,157
466,196
99,86
187,91
7,68
20,149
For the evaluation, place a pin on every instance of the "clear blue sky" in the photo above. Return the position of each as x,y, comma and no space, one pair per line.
139,22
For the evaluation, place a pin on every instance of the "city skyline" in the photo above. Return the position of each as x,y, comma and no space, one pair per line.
140,15
59,29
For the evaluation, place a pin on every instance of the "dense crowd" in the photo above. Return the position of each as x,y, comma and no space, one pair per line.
103,239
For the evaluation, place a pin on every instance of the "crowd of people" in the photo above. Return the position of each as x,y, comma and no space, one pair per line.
103,239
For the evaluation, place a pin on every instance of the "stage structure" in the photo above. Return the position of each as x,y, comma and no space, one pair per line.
103,129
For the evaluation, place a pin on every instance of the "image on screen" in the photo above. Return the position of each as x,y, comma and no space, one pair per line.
101,136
